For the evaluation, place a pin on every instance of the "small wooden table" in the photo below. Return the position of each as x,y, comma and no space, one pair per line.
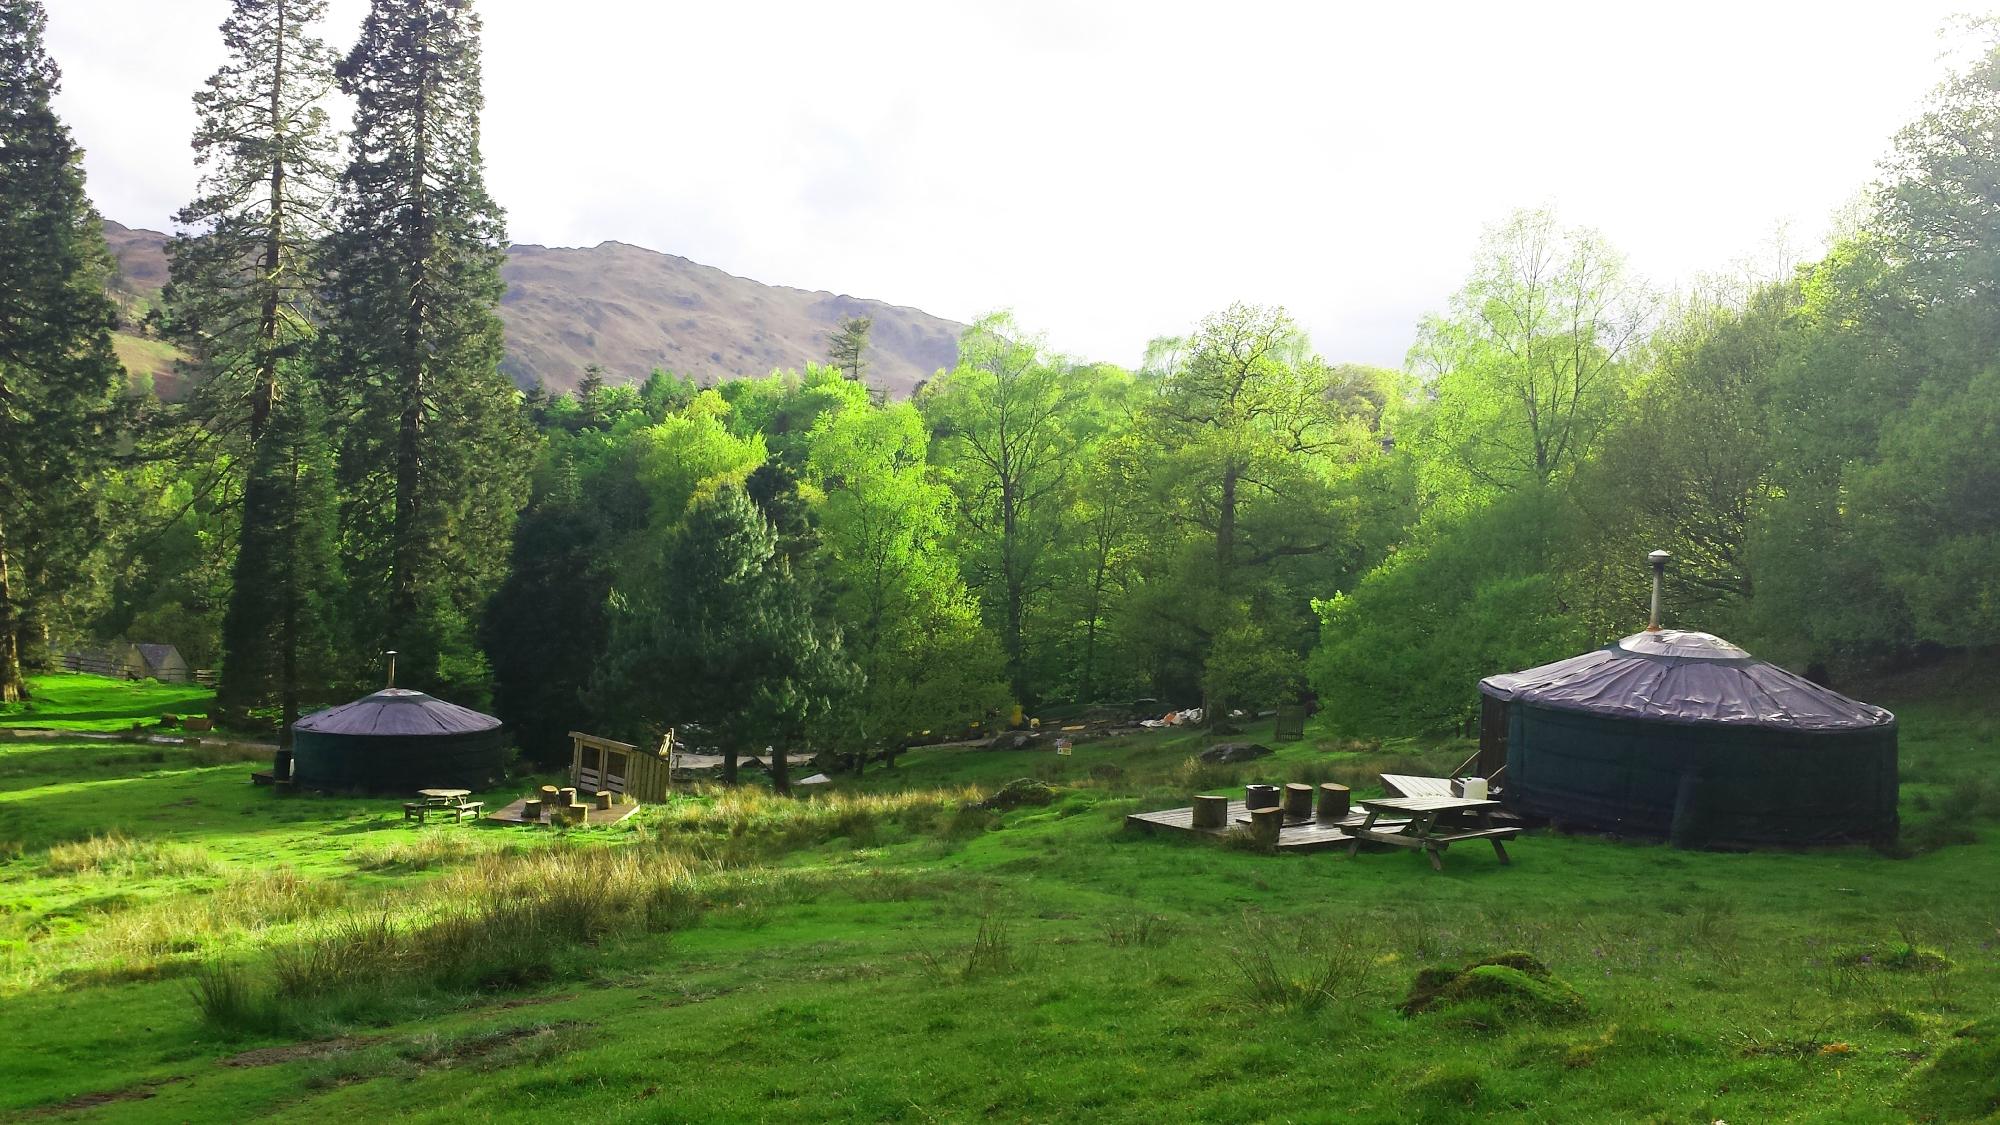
452,801
1435,824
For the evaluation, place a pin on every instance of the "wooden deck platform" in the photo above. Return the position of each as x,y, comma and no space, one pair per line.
1306,835
594,818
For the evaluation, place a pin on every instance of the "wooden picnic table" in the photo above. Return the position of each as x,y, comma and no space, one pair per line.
452,801
1435,823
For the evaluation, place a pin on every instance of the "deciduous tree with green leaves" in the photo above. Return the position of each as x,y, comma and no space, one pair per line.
1526,367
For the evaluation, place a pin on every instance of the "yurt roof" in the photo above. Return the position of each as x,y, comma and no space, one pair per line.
1680,676
397,711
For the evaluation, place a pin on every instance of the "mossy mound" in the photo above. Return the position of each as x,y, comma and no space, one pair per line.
1020,792
1962,1083
1493,993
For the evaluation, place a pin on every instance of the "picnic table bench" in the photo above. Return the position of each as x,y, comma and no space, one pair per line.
448,802
1435,823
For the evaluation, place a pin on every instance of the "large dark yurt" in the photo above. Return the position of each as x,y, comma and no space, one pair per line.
1675,733
1668,732
397,741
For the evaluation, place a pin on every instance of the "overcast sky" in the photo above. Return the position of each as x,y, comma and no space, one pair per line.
1112,171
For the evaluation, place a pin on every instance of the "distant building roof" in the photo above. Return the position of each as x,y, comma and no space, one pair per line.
157,656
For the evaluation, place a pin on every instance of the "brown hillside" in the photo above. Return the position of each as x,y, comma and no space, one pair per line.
631,309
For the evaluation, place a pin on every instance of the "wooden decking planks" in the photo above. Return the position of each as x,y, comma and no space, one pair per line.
593,817
1295,836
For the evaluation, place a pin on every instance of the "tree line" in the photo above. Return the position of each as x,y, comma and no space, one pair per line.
789,561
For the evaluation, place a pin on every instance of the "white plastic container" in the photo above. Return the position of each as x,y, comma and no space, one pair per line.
1475,788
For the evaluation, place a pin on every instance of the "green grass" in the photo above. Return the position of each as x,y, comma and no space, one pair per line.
77,702
179,945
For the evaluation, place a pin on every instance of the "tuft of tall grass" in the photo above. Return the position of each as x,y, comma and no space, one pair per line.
428,849
990,953
118,854
142,938
762,823
504,920
1298,971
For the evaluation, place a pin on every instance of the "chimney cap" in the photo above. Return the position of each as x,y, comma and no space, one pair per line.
1658,557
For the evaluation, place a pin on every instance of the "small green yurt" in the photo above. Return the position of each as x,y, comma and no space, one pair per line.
1677,733
397,741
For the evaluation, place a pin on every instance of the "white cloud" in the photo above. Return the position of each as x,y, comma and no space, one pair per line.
1111,171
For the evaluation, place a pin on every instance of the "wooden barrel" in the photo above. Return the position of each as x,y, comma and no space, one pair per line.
1333,802
1211,812
1298,801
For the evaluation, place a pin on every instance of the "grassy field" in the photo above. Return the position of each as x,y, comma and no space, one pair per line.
100,703
179,945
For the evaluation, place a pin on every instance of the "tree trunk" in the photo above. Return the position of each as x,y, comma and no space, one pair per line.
1011,577
288,640
781,779
403,606
266,392
1213,705
13,685
729,765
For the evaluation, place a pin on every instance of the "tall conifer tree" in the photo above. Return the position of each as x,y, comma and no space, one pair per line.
431,462
59,379
243,297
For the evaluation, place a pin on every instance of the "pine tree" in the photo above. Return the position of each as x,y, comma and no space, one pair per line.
242,297
590,397
430,463
847,348
242,290
278,637
59,378
721,637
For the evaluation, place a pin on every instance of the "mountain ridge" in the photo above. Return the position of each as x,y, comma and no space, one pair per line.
629,309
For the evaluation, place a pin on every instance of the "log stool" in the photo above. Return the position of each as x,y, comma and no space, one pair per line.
567,794
549,796
1260,797
1264,825
603,798
531,811
1298,801
1333,802
1211,812
577,813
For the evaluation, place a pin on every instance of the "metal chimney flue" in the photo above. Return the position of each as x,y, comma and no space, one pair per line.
1659,561
391,654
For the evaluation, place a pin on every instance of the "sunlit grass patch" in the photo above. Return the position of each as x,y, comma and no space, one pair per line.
118,854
